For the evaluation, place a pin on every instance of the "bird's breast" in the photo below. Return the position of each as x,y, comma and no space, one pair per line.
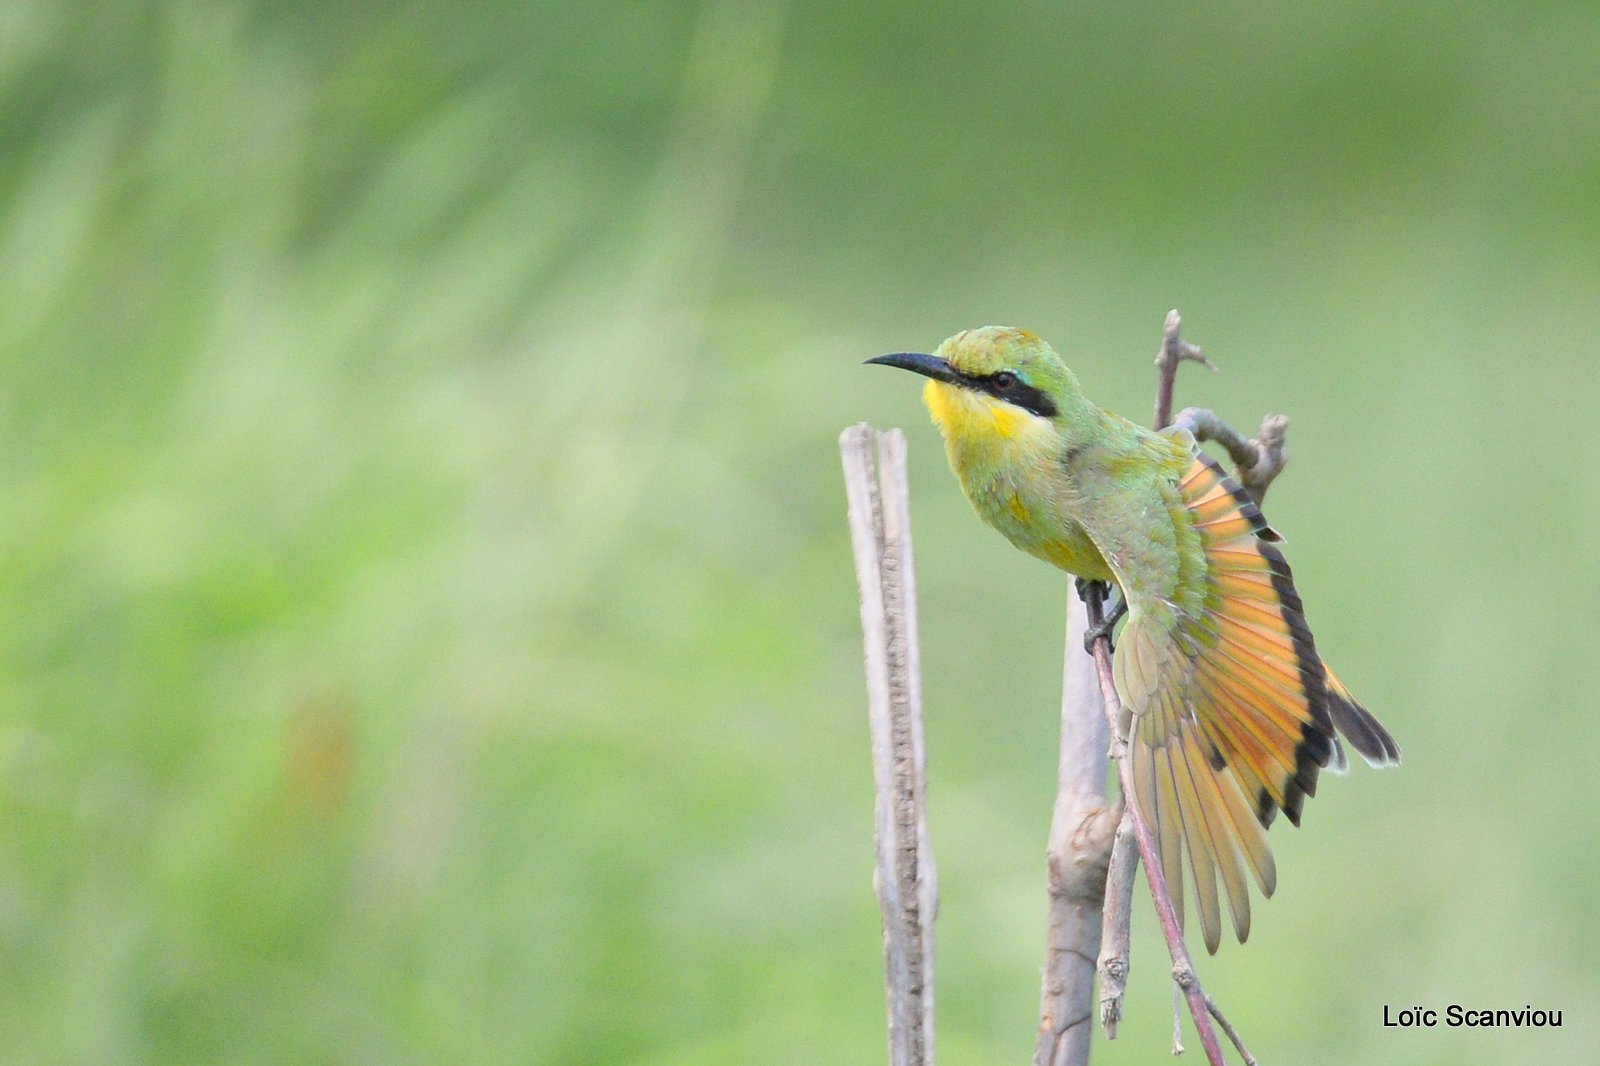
1075,553
1009,464
1029,503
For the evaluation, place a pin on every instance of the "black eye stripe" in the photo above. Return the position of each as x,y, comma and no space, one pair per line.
1013,391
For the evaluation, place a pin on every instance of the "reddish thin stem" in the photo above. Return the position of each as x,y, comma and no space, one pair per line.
1154,874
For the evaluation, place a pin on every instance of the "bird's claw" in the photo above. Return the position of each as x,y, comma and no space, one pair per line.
1095,593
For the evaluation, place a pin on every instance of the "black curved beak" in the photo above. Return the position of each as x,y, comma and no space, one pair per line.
927,365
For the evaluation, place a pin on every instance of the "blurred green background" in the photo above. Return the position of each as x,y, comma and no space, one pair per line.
429,629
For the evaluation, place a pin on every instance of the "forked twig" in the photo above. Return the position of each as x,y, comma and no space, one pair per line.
1257,460
1174,350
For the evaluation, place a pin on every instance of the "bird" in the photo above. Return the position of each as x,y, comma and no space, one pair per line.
1229,711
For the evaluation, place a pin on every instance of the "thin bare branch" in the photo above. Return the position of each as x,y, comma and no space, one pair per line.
1177,1019
1174,350
1080,845
1233,1034
880,535
1115,952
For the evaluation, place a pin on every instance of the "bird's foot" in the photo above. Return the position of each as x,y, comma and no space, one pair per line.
1094,595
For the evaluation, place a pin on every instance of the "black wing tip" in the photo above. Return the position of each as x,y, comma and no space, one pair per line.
1294,802
1266,810
1364,732
1317,750
1314,751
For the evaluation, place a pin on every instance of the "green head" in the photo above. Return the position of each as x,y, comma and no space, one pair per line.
993,382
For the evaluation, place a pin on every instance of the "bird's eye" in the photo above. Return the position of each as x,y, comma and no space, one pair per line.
1005,379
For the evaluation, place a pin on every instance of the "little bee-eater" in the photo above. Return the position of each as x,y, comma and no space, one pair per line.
1231,712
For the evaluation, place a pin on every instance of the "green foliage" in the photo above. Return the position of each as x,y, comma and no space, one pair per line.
429,629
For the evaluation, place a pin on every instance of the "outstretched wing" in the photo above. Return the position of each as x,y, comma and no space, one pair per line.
1229,700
